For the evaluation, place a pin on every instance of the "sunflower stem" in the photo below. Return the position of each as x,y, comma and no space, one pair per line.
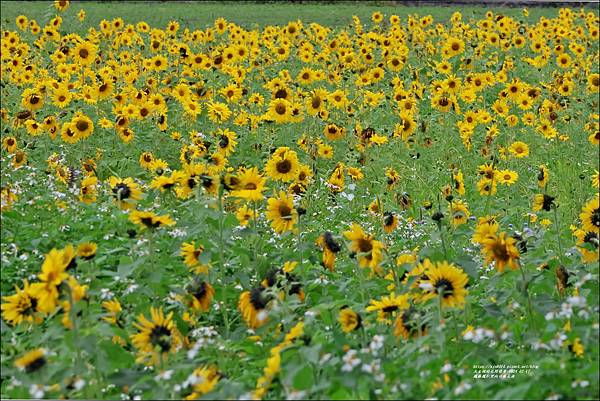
529,306
221,259
561,254
441,322
72,317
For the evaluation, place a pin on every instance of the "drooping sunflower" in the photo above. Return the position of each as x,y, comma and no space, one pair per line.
150,219
459,212
590,215
407,324
125,192
190,253
349,319
156,337
330,249
446,280
283,165
253,306
32,360
502,250
281,212
390,222
201,293
88,190
368,250
543,201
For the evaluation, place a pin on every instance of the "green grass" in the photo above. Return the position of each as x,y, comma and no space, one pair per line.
199,14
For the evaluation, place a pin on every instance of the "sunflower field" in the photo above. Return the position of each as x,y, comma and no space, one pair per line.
399,206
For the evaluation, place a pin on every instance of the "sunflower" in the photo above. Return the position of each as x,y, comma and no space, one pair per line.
349,319
390,222
281,212
486,226
458,182
163,183
590,215
543,201
507,177
146,159
519,149
333,132
125,192
407,324
19,159
190,253
88,189
388,306
205,380
218,112
280,111
87,250
501,249
157,337
330,249
113,309
446,280
459,212
283,165
84,53
253,306
150,219
69,134
368,250
244,214
9,143
32,360
23,305
227,141
61,5
201,293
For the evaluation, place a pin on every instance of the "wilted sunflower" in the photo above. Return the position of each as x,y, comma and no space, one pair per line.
157,337
543,201
32,360
349,319
281,212
201,293
446,280
330,249
407,324
125,192
253,306
502,250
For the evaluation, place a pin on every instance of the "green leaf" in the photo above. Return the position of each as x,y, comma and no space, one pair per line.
303,379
